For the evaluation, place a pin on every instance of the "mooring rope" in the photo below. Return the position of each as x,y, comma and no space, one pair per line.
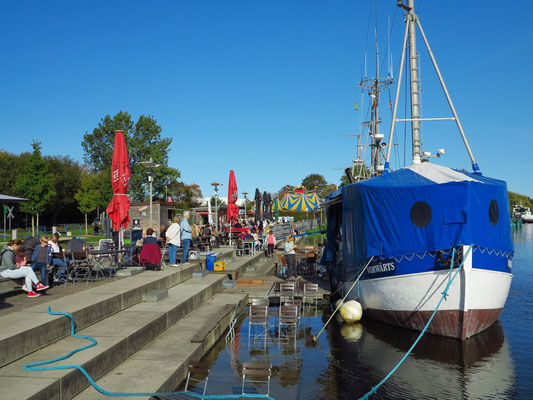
444,294
37,366
315,338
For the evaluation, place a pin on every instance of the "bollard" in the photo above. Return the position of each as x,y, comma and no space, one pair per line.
54,229
13,234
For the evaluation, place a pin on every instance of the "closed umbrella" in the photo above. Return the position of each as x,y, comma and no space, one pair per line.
276,209
119,207
269,207
233,209
257,199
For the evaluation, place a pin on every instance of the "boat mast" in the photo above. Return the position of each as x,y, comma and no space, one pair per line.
415,105
412,21
375,86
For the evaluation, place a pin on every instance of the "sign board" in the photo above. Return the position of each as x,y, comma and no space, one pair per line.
136,223
144,213
281,231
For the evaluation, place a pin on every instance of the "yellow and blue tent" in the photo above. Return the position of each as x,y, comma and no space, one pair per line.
300,201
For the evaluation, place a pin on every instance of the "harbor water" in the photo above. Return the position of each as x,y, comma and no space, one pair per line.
349,359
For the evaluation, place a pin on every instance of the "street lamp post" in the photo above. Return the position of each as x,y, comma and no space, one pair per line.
215,184
245,193
150,165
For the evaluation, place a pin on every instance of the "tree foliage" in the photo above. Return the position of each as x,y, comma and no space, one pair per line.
35,182
312,180
186,196
143,140
88,193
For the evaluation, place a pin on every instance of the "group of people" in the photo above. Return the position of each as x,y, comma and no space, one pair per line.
14,263
178,233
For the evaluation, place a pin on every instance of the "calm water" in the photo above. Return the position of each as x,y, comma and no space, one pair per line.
349,359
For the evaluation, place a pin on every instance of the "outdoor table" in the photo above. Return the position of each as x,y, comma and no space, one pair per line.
103,260
206,242
250,244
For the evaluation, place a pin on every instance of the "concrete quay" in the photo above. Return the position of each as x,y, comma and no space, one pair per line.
143,345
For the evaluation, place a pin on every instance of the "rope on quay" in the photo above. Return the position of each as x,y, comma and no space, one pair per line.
38,367
315,338
444,295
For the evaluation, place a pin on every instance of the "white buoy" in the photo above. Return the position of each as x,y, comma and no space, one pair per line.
352,332
351,311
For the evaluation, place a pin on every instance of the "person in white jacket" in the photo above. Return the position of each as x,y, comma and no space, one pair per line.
173,240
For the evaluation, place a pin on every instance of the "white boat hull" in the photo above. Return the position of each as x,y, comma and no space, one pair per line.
475,300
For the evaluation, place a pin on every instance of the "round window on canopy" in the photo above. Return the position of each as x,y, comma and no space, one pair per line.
494,212
421,214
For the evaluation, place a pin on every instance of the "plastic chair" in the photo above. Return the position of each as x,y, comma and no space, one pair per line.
289,316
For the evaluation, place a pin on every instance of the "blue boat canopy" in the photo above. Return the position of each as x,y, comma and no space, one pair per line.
424,207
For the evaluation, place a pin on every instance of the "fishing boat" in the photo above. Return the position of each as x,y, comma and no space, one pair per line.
398,231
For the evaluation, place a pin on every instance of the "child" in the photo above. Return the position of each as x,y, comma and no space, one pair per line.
271,243
42,258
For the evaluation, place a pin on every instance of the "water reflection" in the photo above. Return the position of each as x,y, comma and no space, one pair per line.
480,367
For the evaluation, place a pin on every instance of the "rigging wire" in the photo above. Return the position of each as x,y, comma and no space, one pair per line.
366,42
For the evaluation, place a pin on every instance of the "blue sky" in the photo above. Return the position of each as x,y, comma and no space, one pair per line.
264,88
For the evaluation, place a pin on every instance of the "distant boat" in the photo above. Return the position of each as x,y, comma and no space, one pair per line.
523,213
527,216
405,224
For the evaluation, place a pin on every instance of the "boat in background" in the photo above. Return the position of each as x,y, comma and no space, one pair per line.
399,231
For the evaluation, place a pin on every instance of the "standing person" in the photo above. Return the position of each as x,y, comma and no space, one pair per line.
290,256
12,270
271,243
186,235
173,236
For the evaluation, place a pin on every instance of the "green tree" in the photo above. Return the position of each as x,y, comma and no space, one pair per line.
10,167
312,180
186,196
280,193
360,173
67,175
220,202
144,141
36,184
87,195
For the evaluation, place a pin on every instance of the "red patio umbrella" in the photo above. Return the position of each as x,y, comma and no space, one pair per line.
119,207
233,209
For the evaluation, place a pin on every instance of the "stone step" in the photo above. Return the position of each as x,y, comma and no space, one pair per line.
30,329
161,366
119,336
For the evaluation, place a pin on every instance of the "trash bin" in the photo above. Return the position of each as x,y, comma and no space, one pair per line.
210,260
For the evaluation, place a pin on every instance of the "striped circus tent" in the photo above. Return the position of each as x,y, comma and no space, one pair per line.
300,201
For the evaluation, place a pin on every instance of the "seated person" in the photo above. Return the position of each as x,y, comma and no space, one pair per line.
13,270
149,238
42,258
207,231
163,234
150,256
28,245
58,260
257,242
